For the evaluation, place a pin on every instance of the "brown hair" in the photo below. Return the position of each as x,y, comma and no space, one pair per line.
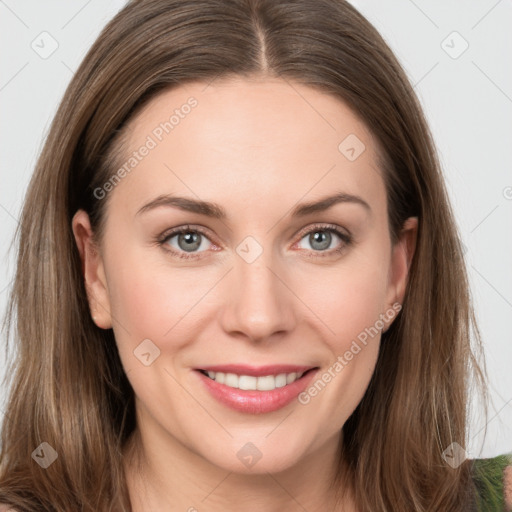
68,386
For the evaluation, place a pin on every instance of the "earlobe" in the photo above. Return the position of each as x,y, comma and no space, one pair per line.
92,270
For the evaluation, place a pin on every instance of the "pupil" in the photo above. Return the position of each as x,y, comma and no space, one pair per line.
191,239
321,237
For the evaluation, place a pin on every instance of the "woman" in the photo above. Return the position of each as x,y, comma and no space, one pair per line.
240,305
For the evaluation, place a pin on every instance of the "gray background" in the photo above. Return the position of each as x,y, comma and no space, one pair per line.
467,97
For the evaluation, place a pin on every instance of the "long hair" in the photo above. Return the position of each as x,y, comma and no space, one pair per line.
68,386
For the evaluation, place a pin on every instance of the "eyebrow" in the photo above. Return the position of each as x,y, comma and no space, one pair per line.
217,212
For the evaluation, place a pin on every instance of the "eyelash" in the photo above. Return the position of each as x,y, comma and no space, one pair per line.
347,239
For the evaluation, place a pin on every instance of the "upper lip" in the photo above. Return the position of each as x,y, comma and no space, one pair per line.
256,371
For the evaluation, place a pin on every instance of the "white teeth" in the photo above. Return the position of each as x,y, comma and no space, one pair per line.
291,377
266,383
249,382
281,380
231,380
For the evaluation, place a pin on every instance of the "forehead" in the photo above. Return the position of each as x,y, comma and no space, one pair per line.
249,139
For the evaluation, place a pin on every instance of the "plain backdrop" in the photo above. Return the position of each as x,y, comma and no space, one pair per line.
457,55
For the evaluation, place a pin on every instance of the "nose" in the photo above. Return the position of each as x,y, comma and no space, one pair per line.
259,304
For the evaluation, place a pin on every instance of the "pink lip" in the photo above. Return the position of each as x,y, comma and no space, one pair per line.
256,371
256,402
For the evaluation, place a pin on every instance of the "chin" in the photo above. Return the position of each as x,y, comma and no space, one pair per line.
256,457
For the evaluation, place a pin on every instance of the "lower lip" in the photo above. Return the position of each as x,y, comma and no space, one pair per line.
256,402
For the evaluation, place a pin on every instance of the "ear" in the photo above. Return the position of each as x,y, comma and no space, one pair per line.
92,270
401,258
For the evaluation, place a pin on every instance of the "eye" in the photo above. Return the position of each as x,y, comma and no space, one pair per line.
183,240
320,238
186,242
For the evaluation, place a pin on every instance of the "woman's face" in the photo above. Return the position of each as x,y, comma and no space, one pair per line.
259,280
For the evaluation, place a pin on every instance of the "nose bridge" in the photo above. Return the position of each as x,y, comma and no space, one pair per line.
259,303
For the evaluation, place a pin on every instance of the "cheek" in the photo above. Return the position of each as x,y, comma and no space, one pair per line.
154,301
346,300
347,305
151,299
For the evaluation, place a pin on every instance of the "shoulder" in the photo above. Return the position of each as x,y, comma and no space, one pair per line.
493,479
507,486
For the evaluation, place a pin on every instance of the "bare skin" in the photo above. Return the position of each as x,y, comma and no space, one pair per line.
258,149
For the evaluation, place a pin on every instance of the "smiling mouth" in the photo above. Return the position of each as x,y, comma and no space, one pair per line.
256,383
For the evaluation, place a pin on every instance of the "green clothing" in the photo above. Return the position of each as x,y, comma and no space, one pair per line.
488,477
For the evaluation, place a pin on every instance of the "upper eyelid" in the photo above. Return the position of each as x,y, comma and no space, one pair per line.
326,226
